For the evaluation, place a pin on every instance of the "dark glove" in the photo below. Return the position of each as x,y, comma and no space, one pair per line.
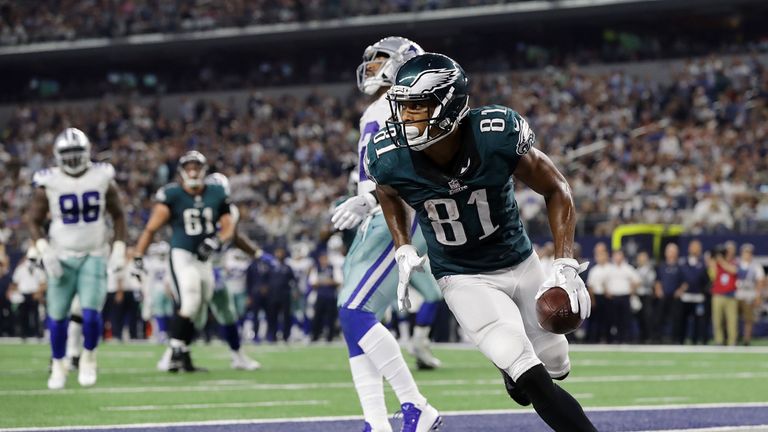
208,247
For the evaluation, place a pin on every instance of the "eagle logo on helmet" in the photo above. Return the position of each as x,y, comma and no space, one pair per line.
433,79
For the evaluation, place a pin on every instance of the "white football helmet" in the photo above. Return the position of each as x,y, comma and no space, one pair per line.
397,51
220,179
198,180
72,151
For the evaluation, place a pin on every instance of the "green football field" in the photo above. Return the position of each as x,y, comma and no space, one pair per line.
308,381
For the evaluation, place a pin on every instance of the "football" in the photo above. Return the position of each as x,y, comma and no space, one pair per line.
553,310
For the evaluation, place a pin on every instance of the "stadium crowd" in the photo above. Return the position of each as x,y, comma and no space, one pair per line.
28,22
693,152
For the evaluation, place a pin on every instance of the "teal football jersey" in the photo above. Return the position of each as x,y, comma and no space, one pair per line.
193,217
468,213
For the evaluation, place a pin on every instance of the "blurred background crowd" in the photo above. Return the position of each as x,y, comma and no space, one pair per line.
682,142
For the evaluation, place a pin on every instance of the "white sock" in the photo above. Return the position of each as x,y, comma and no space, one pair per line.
74,339
382,350
405,331
421,333
178,343
370,391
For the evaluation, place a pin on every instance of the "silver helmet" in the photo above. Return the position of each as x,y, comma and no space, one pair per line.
396,50
193,156
72,151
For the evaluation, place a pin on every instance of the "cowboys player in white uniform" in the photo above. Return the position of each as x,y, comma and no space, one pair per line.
157,287
77,193
370,280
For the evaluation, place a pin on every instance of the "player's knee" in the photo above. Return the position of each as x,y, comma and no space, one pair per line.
355,324
90,316
503,344
556,359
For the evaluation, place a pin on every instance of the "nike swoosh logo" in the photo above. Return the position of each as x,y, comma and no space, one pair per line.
469,162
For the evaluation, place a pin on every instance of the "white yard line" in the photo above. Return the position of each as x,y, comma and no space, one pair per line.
446,413
345,384
756,428
212,405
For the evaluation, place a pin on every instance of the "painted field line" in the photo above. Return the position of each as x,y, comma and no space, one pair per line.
755,428
693,349
345,384
213,405
357,417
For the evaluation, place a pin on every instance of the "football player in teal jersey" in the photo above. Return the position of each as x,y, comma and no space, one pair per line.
193,209
456,167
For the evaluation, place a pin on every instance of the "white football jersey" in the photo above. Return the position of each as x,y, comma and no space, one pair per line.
158,273
373,119
236,263
77,206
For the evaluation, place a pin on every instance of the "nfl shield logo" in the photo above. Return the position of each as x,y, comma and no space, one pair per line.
455,186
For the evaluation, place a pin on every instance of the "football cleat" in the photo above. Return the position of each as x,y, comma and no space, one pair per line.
164,364
425,360
515,392
86,375
182,360
420,419
58,377
243,362
74,363
367,427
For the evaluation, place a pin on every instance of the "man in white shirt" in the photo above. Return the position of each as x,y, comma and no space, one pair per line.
644,294
621,281
598,320
28,286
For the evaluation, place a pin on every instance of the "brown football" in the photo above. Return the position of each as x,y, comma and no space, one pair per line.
553,309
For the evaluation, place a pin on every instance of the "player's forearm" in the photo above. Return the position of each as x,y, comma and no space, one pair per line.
115,209
562,220
143,243
245,244
121,230
395,215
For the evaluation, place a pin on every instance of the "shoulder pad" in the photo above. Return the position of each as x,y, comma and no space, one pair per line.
106,168
41,178
165,194
504,130
381,157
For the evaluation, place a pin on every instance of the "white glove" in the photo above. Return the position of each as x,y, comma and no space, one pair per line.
50,260
137,269
566,276
408,261
351,212
117,257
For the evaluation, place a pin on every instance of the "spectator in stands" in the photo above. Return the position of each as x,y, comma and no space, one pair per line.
693,300
725,307
711,214
281,289
28,283
599,320
6,318
749,289
325,280
644,315
621,282
670,285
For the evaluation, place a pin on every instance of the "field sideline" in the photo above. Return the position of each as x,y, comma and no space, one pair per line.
307,382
